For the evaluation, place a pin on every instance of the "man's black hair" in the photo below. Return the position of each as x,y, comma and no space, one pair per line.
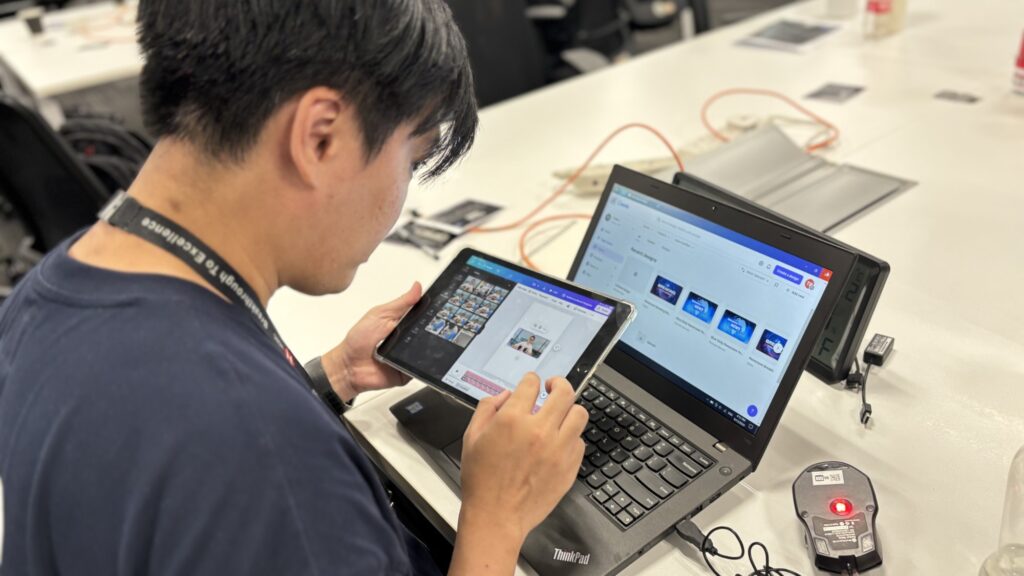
216,70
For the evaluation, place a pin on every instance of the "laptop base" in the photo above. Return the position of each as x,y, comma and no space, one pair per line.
437,423
432,418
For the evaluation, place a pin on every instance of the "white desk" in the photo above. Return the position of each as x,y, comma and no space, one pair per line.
81,48
949,411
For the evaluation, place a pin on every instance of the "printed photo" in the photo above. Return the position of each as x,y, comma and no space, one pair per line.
737,326
700,307
667,290
528,343
771,344
837,93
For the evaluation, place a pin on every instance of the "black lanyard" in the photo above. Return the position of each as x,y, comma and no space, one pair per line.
127,214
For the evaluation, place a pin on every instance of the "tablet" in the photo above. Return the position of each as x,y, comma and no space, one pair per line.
485,323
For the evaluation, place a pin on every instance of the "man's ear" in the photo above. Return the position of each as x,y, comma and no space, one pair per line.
322,129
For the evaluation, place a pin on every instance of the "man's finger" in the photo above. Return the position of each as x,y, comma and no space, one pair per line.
485,411
574,423
525,396
560,398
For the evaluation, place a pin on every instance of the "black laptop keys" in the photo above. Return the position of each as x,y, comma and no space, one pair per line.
632,462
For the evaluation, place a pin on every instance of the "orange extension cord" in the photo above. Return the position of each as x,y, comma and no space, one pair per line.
565,186
832,131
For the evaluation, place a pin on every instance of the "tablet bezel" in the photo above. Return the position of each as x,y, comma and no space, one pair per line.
592,357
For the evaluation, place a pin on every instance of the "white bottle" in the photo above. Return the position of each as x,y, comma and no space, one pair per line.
1008,560
884,17
1018,73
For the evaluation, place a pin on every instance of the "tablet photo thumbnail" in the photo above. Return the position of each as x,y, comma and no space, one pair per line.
528,343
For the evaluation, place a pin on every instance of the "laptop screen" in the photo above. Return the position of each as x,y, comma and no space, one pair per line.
719,314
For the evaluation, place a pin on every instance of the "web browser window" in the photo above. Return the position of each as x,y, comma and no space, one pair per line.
718,313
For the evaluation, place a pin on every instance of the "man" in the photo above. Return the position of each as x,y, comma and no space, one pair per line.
526,346
149,421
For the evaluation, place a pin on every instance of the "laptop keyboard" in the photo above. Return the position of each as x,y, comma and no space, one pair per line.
632,462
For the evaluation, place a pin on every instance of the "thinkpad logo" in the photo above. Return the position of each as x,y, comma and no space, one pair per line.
572,557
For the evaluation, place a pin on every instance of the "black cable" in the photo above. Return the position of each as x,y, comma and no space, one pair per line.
865,408
857,379
689,532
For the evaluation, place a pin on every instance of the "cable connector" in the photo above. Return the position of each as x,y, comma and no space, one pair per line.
854,380
689,532
865,413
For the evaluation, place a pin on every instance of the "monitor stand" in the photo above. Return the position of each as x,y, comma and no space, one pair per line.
437,423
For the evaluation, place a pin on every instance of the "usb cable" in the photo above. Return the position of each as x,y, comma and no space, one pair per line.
858,379
877,352
689,532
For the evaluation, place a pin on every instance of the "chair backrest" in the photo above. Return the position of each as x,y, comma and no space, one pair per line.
701,15
12,85
506,50
603,25
52,191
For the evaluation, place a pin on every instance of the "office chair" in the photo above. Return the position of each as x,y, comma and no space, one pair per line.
509,52
647,14
615,27
52,192
506,52
600,26
114,153
12,85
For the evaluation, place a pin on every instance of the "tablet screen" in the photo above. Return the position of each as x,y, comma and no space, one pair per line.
486,323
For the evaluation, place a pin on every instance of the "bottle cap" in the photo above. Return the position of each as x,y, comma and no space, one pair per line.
1020,57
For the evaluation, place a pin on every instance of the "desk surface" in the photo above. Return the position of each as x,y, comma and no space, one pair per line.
948,409
81,47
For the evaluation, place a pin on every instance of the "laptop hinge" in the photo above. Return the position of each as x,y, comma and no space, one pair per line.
721,447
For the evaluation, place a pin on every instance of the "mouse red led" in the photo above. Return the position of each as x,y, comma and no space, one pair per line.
841,507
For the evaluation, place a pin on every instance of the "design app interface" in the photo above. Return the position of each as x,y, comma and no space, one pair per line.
718,313
493,324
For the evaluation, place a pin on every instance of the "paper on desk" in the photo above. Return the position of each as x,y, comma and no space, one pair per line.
787,35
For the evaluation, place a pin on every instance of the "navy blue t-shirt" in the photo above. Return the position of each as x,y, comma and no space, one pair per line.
149,427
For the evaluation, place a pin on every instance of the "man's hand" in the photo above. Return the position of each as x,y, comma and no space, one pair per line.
516,466
351,367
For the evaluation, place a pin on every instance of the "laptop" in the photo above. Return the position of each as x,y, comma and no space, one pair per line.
729,305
